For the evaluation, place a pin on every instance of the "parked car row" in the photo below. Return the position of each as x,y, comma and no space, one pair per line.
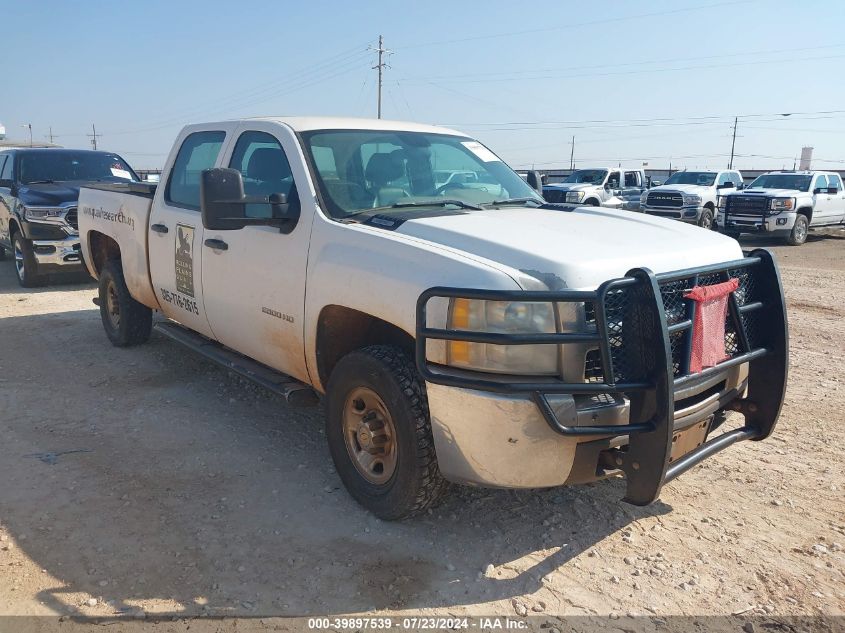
781,204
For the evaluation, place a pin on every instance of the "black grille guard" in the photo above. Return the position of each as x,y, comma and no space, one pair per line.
635,340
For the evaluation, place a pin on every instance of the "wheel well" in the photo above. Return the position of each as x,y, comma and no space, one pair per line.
709,205
341,330
103,249
808,211
593,202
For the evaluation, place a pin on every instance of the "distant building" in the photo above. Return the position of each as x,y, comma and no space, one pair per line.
2,131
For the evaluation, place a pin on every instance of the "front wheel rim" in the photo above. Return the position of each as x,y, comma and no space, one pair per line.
800,232
20,262
370,435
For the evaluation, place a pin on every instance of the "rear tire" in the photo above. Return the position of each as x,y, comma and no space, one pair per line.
798,235
2,253
379,433
25,265
126,321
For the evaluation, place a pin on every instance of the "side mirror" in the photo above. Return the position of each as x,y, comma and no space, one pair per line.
726,185
535,180
740,186
820,190
223,203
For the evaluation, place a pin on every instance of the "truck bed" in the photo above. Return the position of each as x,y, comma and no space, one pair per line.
119,211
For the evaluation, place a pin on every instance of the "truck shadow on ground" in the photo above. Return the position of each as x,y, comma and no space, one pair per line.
150,479
50,283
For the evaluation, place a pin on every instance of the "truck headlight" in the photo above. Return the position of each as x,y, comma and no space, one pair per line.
574,196
644,197
721,201
691,200
781,204
40,214
506,317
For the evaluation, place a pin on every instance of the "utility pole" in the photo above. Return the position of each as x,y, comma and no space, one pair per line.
29,127
93,136
381,50
50,135
733,144
572,155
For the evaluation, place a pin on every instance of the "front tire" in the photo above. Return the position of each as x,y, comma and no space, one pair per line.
25,265
379,433
126,321
798,235
706,219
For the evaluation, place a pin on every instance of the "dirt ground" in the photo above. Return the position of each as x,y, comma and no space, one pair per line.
150,483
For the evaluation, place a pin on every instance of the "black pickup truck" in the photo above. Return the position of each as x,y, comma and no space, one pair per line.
39,189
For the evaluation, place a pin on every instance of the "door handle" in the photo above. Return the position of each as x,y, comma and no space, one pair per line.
218,245
159,228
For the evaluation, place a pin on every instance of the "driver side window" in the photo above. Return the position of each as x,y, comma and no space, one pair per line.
265,169
821,183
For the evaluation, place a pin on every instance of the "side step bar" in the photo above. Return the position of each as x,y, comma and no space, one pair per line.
295,392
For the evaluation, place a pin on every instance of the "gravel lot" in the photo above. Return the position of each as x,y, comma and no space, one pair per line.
149,482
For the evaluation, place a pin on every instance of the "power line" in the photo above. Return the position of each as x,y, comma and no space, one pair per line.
574,25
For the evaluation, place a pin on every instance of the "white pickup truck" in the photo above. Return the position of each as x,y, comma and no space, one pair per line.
611,188
691,196
786,204
472,334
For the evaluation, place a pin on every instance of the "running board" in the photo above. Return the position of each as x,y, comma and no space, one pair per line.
295,392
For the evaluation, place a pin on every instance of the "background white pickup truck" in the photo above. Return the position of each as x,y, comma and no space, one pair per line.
785,204
460,330
690,196
598,187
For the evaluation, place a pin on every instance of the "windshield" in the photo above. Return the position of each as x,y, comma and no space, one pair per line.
61,165
701,178
361,170
591,176
796,182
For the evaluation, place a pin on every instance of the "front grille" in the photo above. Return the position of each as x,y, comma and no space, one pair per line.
746,205
625,326
554,195
71,218
665,200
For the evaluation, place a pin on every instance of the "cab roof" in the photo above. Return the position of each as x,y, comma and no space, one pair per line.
309,123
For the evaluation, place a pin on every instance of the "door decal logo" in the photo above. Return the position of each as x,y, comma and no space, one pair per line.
185,259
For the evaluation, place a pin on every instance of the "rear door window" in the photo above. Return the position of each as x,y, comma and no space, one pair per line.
834,180
198,152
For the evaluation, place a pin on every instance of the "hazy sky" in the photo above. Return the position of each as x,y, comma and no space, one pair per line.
633,81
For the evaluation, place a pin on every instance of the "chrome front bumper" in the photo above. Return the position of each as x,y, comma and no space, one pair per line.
503,441
64,253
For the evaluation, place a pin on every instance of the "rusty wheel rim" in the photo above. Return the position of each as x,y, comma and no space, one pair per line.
370,435
112,306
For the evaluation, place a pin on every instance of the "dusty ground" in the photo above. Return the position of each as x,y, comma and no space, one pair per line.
150,481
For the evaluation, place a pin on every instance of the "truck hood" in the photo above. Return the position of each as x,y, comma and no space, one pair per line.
688,189
49,194
577,249
782,193
575,186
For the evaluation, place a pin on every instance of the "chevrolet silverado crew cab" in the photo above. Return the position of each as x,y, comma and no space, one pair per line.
598,187
690,196
786,204
38,209
457,333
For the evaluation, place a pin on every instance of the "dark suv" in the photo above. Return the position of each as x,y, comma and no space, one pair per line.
38,217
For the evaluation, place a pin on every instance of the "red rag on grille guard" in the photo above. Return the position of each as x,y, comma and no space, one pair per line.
708,328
